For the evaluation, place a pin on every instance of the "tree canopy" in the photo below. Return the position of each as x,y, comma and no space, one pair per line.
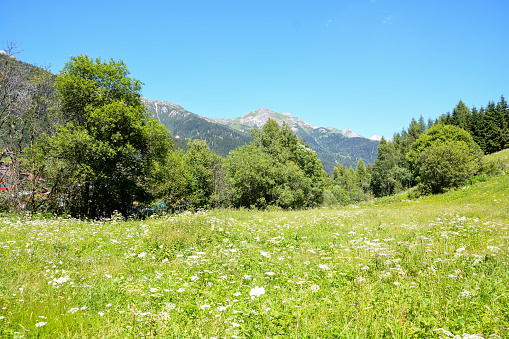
275,169
100,159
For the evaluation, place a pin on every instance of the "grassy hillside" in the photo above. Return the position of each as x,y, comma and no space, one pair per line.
429,268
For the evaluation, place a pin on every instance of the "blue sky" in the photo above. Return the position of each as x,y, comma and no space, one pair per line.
368,65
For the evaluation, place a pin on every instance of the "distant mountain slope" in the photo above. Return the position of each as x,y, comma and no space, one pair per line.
185,125
223,135
331,144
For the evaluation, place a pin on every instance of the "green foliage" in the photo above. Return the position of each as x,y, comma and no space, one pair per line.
488,126
171,181
85,84
251,174
390,171
335,148
492,166
207,187
275,169
102,158
348,186
444,165
442,134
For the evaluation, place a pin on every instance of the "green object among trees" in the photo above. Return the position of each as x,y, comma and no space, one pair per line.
104,151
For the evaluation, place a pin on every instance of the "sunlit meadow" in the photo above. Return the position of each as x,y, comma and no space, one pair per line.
434,267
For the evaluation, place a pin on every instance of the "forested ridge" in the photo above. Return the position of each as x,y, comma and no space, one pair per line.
83,143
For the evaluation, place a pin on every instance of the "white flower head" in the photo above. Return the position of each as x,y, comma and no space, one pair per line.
494,249
324,267
42,323
256,292
314,288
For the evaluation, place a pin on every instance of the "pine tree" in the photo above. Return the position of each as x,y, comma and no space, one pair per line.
476,127
493,129
502,113
460,116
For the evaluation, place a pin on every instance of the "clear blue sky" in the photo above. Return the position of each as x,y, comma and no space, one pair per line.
370,65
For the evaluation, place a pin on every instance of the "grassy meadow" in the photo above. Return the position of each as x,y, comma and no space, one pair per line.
434,267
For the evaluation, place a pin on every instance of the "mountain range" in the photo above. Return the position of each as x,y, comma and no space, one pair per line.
223,135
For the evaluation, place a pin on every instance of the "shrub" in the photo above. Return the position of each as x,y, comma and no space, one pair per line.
491,167
445,165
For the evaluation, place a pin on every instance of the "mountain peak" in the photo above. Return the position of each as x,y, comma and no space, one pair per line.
351,134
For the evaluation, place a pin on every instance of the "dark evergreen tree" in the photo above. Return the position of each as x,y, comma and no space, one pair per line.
503,114
477,127
460,116
493,129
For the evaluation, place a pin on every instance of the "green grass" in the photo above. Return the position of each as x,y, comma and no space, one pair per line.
384,269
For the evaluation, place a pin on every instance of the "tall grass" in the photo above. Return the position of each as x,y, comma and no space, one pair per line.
432,267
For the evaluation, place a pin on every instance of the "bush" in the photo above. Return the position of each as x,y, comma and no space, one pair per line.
491,167
445,165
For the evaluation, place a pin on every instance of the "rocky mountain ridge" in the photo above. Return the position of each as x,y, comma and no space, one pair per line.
223,135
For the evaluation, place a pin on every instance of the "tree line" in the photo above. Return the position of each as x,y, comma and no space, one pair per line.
442,153
83,144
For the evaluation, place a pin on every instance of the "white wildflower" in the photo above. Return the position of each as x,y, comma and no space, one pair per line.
494,249
256,292
324,267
